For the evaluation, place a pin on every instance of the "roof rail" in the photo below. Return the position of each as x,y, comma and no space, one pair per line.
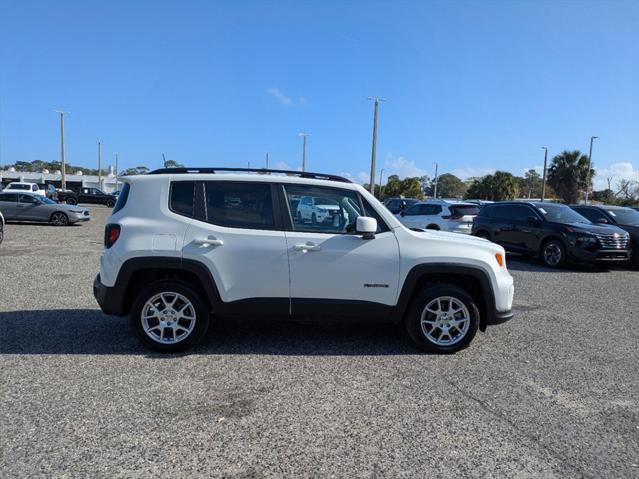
213,170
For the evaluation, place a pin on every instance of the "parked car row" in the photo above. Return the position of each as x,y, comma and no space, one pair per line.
553,232
83,195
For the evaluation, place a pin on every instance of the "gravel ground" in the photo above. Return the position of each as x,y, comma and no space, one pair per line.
553,393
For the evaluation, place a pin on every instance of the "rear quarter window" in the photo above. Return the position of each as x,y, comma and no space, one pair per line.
182,198
122,199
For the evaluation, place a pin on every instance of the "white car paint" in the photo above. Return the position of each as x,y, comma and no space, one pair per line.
439,215
24,187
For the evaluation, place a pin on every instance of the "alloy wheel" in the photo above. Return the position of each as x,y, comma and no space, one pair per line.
552,254
59,219
445,321
168,317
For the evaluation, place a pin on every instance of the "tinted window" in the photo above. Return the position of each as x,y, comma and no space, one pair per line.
182,197
560,214
14,186
625,216
27,199
9,197
122,197
511,212
413,210
239,205
430,209
591,214
463,210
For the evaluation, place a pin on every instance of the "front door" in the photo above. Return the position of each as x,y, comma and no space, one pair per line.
237,235
334,270
28,208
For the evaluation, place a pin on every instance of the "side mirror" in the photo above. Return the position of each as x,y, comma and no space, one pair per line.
602,221
533,221
366,227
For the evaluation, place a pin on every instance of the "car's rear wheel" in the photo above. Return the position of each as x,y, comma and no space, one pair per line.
433,227
553,254
72,201
483,234
59,219
169,316
442,319
110,203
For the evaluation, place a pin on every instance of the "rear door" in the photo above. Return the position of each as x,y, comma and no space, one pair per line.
9,205
237,233
335,271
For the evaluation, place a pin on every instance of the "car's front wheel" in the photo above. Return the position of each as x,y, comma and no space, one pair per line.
443,318
169,316
553,254
59,219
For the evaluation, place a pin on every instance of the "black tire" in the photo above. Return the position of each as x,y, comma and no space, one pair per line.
420,334
433,227
169,287
1,232
634,257
313,219
110,203
549,250
483,234
71,201
59,219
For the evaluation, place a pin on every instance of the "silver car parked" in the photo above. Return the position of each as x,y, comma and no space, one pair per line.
30,207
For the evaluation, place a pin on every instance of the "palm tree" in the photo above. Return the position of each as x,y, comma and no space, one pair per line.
568,175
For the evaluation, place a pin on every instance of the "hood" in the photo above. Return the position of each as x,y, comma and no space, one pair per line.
453,237
63,206
596,229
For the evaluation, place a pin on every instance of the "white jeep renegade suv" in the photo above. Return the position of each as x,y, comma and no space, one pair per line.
184,246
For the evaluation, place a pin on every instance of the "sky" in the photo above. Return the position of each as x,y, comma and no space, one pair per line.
475,86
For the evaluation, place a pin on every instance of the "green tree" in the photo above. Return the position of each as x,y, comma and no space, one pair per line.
568,175
500,186
138,170
530,184
407,188
172,164
449,186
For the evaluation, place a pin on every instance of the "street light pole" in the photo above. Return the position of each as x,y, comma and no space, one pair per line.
374,149
99,164
267,160
543,181
304,136
381,177
589,176
435,187
117,172
62,164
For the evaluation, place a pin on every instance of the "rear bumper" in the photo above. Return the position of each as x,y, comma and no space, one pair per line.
110,300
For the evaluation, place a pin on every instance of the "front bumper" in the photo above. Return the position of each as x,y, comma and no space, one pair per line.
78,217
499,317
600,256
110,300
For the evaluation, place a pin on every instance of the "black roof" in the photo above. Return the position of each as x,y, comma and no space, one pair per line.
214,170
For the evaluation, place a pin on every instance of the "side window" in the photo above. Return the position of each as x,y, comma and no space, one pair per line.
181,199
413,210
370,212
239,205
591,214
335,211
26,199
9,197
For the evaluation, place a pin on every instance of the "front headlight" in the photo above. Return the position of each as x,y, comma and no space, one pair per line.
585,241
77,211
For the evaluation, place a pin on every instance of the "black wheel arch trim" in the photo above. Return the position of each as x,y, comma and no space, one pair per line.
489,313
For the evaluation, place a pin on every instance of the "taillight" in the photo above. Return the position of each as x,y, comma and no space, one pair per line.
111,235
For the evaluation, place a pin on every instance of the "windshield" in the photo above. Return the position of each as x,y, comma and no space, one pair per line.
625,216
16,186
561,214
47,201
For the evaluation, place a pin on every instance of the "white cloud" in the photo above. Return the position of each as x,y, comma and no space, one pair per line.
398,165
466,172
616,171
285,100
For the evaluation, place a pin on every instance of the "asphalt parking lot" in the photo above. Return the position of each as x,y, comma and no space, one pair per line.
553,393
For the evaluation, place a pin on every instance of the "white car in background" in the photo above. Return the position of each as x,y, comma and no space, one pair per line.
317,210
22,187
444,215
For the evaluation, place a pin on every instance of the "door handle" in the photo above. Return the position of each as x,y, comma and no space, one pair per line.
308,246
209,241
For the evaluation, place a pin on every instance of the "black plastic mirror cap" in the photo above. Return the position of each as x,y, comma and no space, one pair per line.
368,236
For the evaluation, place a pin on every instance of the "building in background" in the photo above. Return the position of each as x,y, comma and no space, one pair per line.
74,181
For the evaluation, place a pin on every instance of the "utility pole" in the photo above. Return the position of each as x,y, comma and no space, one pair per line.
99,164
62,164
267,160
374,149
435,187
589,176
381,177
117,172
543,181
164,160
304,136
